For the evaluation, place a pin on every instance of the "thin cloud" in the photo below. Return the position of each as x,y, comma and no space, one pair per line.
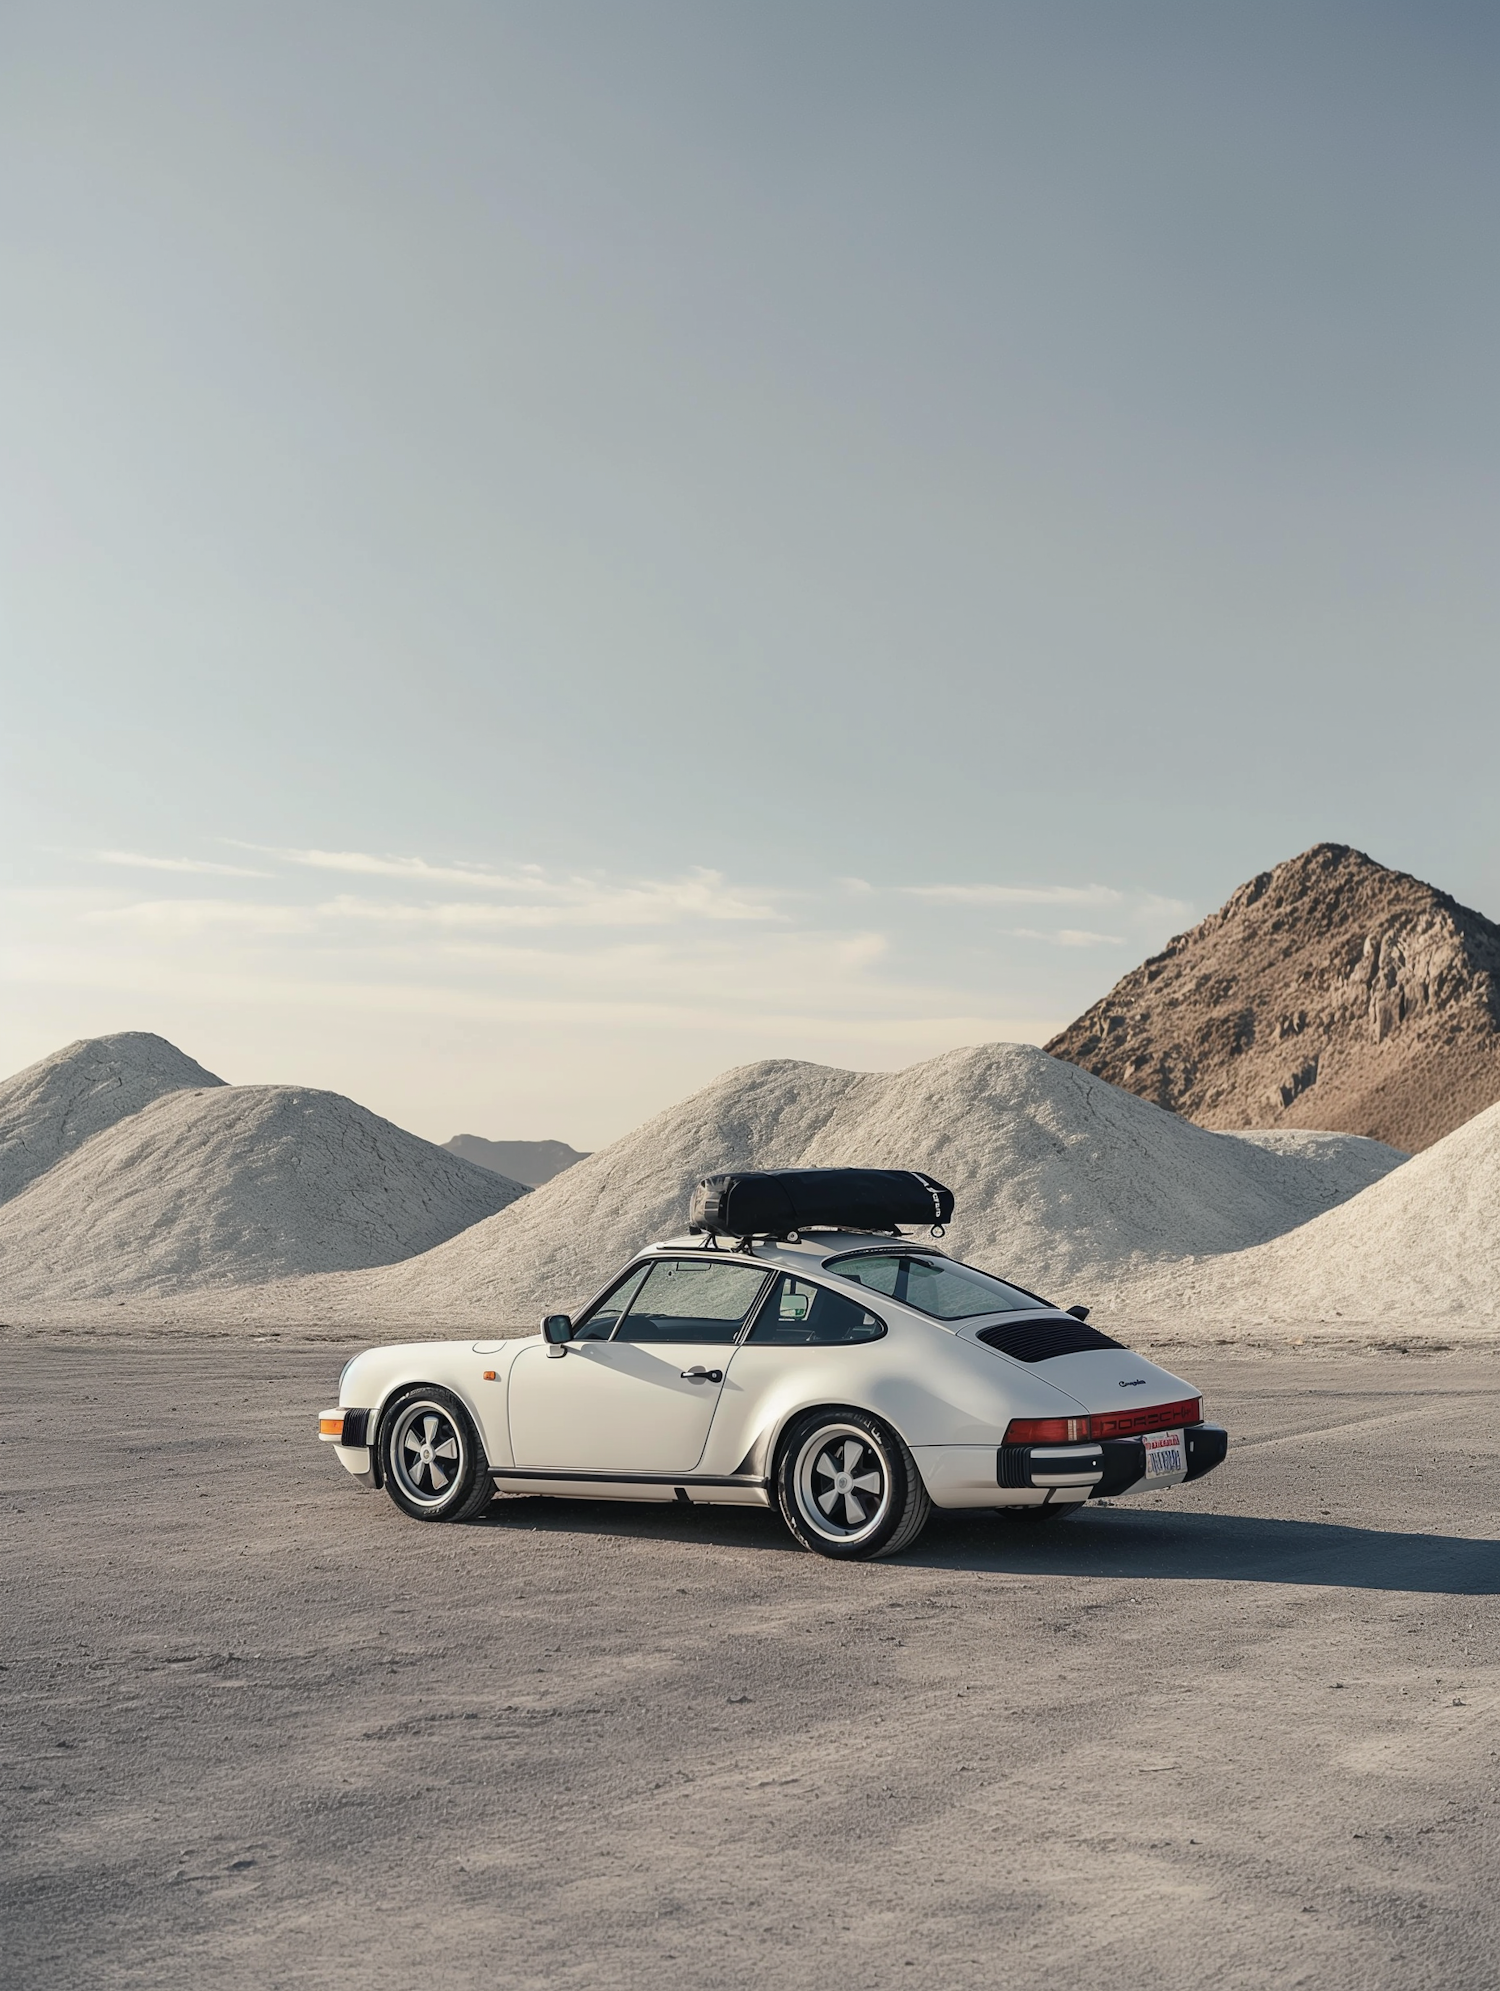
546,901
1015,895
668,902
368,865
1067,936
824,969
134,860
193,915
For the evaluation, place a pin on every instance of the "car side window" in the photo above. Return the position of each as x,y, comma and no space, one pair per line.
600,1323
797,1314
691,1300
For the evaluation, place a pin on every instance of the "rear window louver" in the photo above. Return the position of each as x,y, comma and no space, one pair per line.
1040,1340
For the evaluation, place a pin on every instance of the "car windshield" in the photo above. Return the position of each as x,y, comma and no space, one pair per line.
937,1286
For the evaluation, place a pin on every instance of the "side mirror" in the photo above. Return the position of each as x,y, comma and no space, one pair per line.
1079,1313
557,1331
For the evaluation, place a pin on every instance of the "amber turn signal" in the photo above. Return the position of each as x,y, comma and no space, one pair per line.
331,1427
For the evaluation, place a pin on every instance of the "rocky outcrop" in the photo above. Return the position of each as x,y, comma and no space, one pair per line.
1329,992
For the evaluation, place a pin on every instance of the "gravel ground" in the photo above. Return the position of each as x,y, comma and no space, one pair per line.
259,1730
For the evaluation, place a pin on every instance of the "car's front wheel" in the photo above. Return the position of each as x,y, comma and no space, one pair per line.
432,1462
849,1487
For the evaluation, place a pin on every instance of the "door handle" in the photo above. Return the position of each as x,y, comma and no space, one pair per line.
698,1374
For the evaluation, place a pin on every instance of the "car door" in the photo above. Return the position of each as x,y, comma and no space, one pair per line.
766,1370
642,1399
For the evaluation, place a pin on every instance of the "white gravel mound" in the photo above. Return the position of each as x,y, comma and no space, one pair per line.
1062,1181
1348,1163
229,1187
53,1107
1420,1247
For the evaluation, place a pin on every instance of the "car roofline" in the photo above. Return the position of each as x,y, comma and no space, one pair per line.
811,1253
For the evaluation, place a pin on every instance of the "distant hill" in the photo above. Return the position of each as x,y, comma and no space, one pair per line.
1329,992
54,1106
531,1162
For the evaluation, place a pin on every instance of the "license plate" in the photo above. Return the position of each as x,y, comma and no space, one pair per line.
1165,1453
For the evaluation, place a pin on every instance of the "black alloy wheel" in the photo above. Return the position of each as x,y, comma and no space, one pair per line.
432,1461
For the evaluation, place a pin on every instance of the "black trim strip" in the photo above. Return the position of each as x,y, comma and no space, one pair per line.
756,1457
356,1431
629,1479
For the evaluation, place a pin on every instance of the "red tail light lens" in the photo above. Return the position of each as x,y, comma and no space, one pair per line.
1103,1424
1046,1430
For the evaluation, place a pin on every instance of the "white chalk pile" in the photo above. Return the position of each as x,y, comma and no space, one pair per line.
136,1186
207,1185
1418,1249
52,1107
1062,1181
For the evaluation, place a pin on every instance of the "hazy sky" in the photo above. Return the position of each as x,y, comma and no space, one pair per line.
552,549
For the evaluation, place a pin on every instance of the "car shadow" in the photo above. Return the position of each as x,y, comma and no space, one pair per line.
646,1520
1109,1542
1220,1548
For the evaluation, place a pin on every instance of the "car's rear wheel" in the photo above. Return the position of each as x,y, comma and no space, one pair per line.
849,1487
432,1462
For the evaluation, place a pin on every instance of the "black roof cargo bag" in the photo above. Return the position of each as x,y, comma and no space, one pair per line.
772,1202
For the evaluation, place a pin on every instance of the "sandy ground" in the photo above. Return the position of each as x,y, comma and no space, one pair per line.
258,1730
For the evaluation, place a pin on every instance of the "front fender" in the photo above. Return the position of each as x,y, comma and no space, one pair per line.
475,1372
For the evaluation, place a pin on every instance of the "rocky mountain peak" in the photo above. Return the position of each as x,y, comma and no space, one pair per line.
1327,992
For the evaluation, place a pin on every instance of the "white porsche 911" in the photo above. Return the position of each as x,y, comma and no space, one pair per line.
838,1370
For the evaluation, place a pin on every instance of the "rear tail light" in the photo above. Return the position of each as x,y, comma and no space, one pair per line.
1046,1430
1155,1417
1103,1424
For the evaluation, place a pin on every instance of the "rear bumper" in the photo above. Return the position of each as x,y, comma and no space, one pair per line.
1107,1467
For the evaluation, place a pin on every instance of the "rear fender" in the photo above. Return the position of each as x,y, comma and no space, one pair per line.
928,1386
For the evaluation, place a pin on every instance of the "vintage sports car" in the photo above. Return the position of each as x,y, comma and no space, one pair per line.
849,1375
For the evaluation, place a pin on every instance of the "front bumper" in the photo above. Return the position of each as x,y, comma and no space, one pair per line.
347,1429
1106,1467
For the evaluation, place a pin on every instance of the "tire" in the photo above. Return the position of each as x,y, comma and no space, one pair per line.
850,1505
431,1459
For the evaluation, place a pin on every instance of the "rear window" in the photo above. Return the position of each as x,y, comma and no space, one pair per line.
936,1286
